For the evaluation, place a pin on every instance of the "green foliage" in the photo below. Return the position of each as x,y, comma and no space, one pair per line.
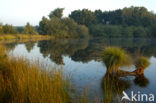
115,57
118,31
43,26
106,30
9,29
56,13
55,27
136,22
137,16
29,29
153,30
140,32
83,17
1,29
61,27
142,63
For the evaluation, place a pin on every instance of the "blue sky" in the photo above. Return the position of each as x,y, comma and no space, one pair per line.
18,12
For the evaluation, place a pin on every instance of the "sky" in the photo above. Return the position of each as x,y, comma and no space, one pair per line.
19,12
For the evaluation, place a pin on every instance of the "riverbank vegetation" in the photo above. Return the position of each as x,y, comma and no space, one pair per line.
8,32
22,81
23,36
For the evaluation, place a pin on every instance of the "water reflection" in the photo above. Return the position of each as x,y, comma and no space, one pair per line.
58,48
141,81
89,50
85,50
113,86
29,45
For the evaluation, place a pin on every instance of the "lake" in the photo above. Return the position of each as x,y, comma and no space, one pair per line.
81,59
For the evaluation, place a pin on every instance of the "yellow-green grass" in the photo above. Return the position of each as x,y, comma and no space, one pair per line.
25,82
23,36
141,64
115,57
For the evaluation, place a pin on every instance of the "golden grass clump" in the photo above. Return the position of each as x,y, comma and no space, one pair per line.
24,82
141,64
115,57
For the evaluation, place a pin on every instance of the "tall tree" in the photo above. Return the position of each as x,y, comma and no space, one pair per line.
29,29
42,29
83,17
56,13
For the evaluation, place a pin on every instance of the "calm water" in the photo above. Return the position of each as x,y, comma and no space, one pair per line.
81,59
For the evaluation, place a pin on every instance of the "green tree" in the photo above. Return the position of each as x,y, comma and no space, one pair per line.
42,29
1,28
29,29
153,30
56,27
9,29
83,17
56,13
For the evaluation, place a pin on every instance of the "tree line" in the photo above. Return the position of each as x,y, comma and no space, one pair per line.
131,22
126,22
9,29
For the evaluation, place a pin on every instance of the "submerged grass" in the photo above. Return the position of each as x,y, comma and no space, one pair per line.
22,82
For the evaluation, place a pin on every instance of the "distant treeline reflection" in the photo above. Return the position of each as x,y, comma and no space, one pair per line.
85,50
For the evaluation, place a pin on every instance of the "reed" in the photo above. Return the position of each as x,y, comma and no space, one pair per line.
25,82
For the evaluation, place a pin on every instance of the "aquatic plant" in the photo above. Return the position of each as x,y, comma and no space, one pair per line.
115,57
141,64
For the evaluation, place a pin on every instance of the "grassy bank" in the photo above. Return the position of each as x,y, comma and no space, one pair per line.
23,36
24,82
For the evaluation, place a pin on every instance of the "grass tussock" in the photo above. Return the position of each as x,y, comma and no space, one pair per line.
115,57
23,36
22,82
141,64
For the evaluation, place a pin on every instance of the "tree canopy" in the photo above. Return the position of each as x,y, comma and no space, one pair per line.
56,13
57,26
29,29
8,29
